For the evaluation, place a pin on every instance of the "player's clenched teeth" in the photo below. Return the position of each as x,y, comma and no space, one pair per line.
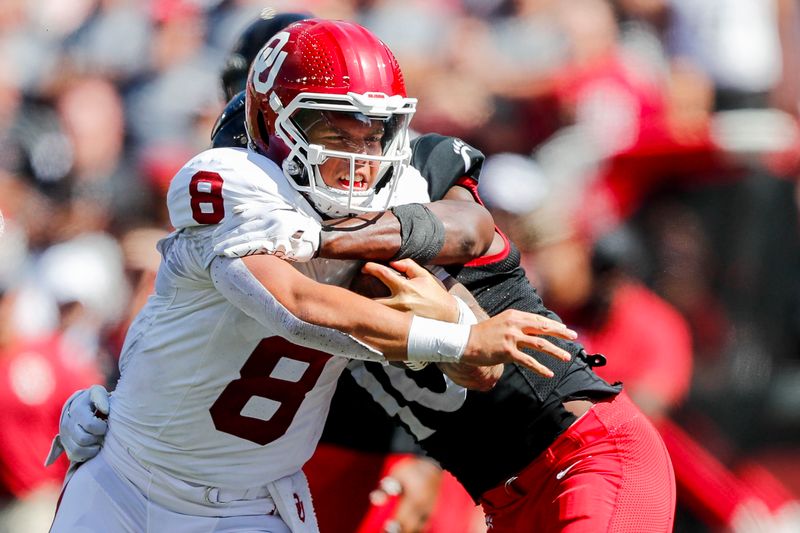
358,184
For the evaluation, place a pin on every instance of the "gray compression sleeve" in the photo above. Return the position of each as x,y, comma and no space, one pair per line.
238,285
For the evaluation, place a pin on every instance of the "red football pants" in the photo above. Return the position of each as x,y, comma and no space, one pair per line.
609,472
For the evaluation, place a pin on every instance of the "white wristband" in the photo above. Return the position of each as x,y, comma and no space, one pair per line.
465,314
436,341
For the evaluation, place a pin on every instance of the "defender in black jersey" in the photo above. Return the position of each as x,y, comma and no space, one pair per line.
525,427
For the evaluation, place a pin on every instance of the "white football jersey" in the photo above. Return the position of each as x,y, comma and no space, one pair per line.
207,393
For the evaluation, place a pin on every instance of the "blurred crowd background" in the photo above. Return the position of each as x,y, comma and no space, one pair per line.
643,154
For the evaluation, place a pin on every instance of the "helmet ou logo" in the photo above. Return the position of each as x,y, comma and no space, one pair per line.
268,62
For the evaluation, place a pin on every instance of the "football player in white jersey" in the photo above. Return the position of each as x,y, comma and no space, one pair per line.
227,372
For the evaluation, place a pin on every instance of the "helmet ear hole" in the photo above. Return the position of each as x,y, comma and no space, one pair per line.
262,126
299,173
385,179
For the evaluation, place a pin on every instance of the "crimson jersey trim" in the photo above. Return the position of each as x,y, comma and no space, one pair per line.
472,186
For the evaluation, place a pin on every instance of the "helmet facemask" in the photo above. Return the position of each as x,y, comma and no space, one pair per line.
359,142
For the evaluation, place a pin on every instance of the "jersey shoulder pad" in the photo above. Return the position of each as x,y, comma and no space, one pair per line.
443,161
211,184
229,129
411,188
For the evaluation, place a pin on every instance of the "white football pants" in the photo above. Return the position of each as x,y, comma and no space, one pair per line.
97,499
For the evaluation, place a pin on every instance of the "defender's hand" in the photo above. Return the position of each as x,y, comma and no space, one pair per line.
268,229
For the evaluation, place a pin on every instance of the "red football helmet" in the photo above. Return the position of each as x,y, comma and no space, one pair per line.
323,72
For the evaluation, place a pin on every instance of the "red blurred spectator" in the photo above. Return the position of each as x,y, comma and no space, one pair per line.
648,347
36,378
407,490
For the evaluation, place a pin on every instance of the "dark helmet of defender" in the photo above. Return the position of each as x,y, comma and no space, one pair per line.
234,73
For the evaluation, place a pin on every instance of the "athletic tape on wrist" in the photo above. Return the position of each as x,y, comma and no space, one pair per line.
436,341
421,233
465,316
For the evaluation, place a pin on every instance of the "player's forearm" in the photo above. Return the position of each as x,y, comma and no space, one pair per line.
331,307
372,236
468,231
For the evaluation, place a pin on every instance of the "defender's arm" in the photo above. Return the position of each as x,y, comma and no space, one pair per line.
463,228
